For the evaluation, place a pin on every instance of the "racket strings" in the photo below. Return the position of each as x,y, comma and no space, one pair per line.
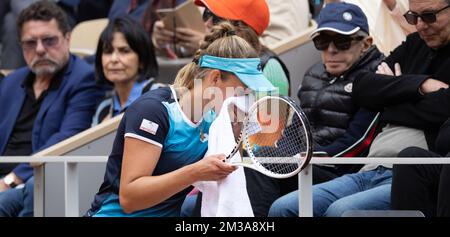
279,142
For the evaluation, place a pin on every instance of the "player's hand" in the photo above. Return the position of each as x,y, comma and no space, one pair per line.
212,168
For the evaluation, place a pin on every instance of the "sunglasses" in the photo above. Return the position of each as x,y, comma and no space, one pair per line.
207,14
341,42
47,42
427,17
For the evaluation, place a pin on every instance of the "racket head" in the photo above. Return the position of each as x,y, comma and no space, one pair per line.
277,137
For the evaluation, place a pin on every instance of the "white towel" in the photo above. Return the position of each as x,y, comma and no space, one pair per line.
228,197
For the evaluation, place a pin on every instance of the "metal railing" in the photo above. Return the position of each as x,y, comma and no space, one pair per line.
71,177
71,197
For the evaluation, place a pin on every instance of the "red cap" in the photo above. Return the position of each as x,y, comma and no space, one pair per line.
254,13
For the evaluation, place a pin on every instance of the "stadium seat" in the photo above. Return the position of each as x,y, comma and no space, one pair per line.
85,37
299,54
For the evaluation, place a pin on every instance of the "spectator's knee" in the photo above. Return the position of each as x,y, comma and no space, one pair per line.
410,152
337,208
282,207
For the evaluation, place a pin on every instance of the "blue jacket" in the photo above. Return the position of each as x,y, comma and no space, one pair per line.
64,112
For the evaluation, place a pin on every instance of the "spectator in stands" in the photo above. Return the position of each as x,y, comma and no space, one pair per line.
159,145
388,27
287,18
125,60
341,128
50,100
424,187
413,106
251,18
77,10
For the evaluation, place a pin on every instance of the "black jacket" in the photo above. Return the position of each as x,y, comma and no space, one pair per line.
340,126
398,97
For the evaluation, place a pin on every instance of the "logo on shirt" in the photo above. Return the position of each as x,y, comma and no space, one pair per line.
149,126
203,136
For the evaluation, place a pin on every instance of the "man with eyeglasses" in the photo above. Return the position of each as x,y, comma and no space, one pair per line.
51,99
341,127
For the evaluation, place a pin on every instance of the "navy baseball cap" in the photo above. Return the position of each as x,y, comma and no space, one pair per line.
342,18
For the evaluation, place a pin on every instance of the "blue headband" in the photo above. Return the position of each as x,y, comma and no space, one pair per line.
248,70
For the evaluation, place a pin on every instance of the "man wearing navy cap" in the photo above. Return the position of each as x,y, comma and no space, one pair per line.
341,128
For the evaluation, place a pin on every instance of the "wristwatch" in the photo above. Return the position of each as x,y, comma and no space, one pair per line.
9,180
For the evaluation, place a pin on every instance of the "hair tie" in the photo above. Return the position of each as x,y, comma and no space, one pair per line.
195,60
230,33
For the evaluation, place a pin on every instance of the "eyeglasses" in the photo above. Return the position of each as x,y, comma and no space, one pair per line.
341,42
208,14
47,42
427,17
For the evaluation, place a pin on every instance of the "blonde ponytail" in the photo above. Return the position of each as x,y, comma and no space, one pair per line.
221,42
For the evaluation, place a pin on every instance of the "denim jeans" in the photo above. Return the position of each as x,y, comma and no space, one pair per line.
368,190
17,202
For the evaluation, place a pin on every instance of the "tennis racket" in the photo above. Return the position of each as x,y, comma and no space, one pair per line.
277,137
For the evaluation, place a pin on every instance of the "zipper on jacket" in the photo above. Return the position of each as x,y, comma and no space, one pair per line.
335,79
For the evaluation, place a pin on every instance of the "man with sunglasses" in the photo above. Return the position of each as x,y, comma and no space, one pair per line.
51,99
341,127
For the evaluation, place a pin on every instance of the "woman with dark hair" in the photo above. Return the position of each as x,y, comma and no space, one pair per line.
125,60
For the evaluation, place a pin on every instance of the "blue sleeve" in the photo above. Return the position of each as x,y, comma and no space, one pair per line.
24,171
147,121
357,130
